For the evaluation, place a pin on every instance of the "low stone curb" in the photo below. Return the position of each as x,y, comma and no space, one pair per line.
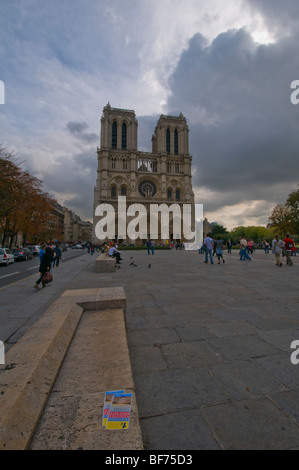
33,364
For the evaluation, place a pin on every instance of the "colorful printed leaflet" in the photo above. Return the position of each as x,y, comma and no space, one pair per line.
120,411
107,404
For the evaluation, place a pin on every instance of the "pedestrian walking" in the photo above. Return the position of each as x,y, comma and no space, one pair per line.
214,247
41,251
53,254
288,247
208,244
150,246
266,245
243,249
250,246
219,249
45,266
58,255
229,246
277,246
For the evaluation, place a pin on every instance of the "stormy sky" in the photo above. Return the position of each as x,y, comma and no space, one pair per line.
227,69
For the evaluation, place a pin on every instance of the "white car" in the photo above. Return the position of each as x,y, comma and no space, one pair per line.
6,256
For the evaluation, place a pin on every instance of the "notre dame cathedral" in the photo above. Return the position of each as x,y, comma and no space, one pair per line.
161,177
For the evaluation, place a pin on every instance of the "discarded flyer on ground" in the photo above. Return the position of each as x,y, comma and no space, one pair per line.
118,411
107,404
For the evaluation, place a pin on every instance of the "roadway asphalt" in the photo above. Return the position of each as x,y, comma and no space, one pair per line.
21,269
20,307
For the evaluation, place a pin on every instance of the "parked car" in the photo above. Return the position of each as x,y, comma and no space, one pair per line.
22,254
35,249
76,247
6,256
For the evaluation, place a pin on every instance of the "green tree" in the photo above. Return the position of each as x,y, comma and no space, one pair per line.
256,233
218,229
285,217
292,204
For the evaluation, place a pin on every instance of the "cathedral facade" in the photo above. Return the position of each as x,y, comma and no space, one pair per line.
162,176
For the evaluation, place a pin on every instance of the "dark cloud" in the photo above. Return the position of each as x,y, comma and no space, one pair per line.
73,176
243,128
146,128
280,17
78,130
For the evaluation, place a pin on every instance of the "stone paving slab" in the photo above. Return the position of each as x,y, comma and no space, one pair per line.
167,391
243,379
242,347
281,368
252,424
288,402
199,437
189,354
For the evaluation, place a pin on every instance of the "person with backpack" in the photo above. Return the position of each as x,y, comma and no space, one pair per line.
288,247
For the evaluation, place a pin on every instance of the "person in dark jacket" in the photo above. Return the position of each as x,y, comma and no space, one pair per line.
45,265
58,254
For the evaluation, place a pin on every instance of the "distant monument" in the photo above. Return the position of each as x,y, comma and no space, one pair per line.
163,176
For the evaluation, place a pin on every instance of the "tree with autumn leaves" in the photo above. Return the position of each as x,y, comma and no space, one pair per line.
24,208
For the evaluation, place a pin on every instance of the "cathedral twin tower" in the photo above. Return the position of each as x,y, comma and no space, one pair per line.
160,177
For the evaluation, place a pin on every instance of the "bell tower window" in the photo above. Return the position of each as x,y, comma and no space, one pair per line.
114,135
124,136
176,142
168,141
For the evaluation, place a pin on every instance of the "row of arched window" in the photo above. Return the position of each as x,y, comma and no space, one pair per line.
113,161
124,138
177,195
174,166
123,191
145,164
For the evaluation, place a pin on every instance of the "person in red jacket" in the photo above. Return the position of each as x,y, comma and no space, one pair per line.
289,245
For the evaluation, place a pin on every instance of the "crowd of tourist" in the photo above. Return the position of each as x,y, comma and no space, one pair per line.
279,247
